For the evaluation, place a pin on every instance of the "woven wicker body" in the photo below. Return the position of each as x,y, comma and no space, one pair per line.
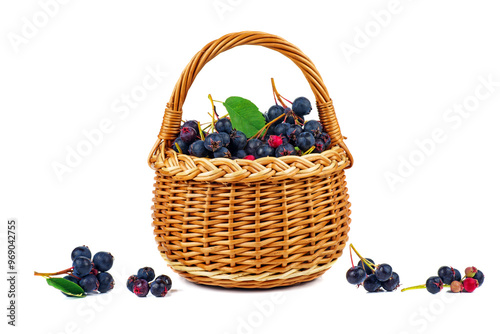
250,224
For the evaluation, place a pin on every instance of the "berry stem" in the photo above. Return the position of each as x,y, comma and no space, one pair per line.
277,94
201,132
179,148
368,263
309,151
421,286
265,127
350,253
62,272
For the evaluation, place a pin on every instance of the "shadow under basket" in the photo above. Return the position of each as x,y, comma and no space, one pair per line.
250,224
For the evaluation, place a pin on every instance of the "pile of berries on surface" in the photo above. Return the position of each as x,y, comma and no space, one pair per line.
90,274
145,282
279,132
451,277
373,277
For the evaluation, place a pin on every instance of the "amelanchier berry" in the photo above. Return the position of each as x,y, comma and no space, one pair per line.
146,273
141,287
434,284
103,261
81,251
450,277
356,275
82,266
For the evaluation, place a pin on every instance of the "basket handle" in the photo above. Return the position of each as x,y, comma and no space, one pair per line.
173,111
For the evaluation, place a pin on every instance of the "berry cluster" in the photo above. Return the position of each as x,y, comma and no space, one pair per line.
451,277
144,282
284,133
91,275
372,276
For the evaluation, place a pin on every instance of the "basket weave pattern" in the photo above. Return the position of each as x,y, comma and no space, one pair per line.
250,224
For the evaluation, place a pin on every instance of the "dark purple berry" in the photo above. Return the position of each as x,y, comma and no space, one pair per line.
182,145
192,124
446,274
368,270
213,142
457,274
355,275
274,112
224,125
325,137
281,129
293,132
226,139
240,154
141,288
106,282
188,135
222,152
305,141
81,251
166,279
314,127
479,276
371,283
130,282
383,272
252,146
434,284
159,288
319,146
82,266
392,283
285,149
89,283
301,106
146,273
103,261
264,151
238,140
198,149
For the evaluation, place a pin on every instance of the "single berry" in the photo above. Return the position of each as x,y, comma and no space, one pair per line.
226,139
355,275
240,154
371,283
301,106
159,288
470,271
470,284
213,142
141,288
434,284
224,125
274,112
238,140
106,282
293,132
223,152
314,127
252,146
265,151
182,145
457,275
325,137
130,282
274,141
192,124
166,279
250,157
319,146
198,149
281,129
446,274
456,286
81,251
383,272
305,141
363,265
146,273
82,266
392,283
285,149
479,276
188,135
89,283
103,261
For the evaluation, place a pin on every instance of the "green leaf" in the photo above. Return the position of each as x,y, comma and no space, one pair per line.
245,116
68,287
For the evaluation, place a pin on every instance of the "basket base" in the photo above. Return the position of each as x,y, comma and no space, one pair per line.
249,281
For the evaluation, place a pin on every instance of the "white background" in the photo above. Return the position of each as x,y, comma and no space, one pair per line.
71,73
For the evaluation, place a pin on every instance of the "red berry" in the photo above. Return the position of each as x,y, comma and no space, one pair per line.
470,271
250,157
274,141
456,286
470,284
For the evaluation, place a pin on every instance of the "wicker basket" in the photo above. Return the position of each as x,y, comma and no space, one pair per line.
250,224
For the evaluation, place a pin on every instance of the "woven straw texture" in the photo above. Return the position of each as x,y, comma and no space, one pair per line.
250,224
